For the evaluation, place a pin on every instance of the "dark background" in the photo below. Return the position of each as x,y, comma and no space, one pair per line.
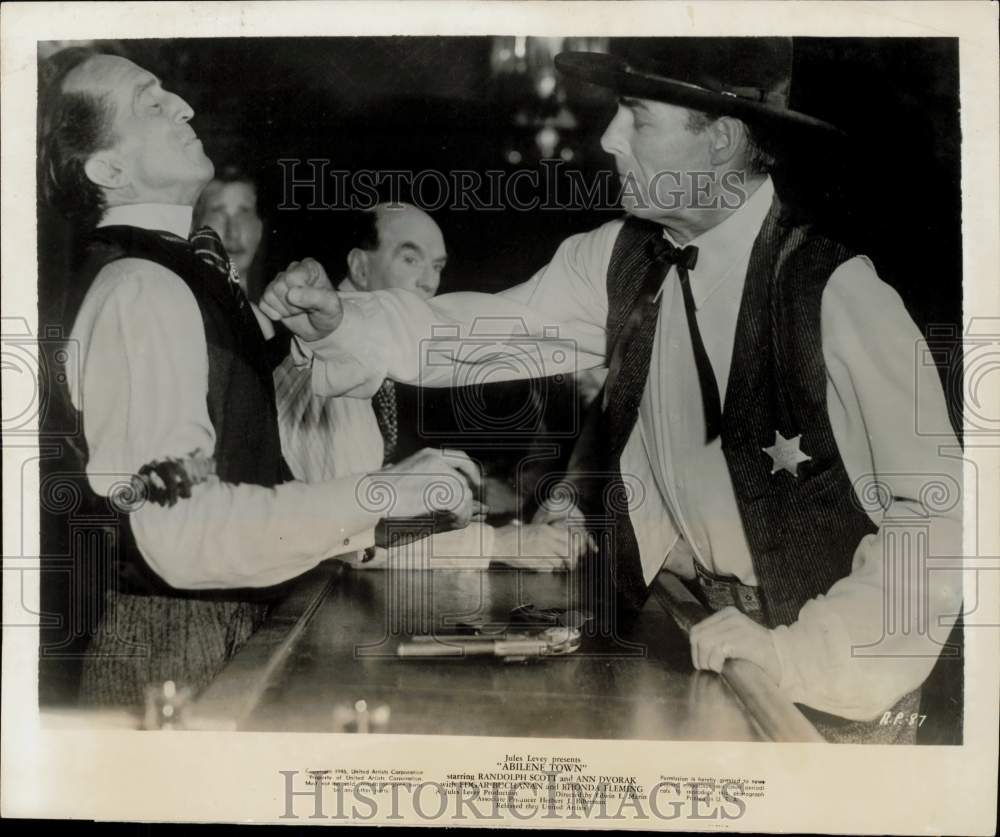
430,103
892,189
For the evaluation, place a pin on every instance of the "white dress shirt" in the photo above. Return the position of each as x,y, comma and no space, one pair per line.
685,509
324,438
328,438
142,391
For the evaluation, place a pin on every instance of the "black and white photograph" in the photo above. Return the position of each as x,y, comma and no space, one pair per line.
600,390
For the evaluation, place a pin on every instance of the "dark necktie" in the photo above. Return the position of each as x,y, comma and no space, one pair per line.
665,254
209,248
628,366
628,370
386,414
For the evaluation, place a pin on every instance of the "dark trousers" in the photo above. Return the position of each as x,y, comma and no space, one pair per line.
145,640
897,725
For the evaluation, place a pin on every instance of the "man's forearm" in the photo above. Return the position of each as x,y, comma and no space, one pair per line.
876,634
452,340
231,536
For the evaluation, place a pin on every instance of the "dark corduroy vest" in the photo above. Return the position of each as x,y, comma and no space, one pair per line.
240,400
802,530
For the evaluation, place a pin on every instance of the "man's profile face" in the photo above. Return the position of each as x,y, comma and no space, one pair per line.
410,255
655,154
231,210
157,153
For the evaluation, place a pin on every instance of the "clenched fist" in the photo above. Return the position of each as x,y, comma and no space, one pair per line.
303,298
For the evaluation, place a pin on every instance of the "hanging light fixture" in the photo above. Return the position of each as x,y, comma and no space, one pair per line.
529,88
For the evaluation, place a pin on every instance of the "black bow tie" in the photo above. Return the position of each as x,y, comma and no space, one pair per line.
663,253
666,253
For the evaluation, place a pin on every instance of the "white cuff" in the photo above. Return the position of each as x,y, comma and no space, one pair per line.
789,680
302,354
355,543
338,371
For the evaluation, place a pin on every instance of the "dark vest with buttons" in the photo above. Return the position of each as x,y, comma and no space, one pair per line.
802,530
240,399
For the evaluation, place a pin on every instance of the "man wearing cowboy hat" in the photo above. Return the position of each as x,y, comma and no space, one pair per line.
762,386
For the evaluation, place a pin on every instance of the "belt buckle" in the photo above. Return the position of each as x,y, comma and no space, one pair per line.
721,593
752,605
717,593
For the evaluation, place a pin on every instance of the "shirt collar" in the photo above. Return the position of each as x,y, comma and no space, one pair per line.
347,285
168,217
721,248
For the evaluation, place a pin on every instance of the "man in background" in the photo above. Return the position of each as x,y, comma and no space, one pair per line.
229,206
391,246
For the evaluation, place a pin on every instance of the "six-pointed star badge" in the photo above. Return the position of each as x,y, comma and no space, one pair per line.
786,454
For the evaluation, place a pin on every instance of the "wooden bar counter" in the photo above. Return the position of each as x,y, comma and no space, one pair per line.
326,661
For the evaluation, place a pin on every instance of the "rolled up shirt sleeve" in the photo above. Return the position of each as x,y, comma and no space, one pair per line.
552,324
143,394
876,634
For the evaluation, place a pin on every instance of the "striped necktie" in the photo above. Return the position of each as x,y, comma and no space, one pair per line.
386,414
209,248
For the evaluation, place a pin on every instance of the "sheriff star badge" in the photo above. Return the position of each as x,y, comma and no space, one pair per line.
786,454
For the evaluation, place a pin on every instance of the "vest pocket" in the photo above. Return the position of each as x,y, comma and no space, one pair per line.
823,481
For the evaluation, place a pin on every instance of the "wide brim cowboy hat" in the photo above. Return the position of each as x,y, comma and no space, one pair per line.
749,78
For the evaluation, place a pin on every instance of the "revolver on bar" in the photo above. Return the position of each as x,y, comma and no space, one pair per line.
526,637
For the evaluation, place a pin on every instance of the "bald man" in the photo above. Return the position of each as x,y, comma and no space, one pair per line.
393,246
175,395
396,246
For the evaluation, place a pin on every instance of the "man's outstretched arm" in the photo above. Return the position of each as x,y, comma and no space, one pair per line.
553,323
